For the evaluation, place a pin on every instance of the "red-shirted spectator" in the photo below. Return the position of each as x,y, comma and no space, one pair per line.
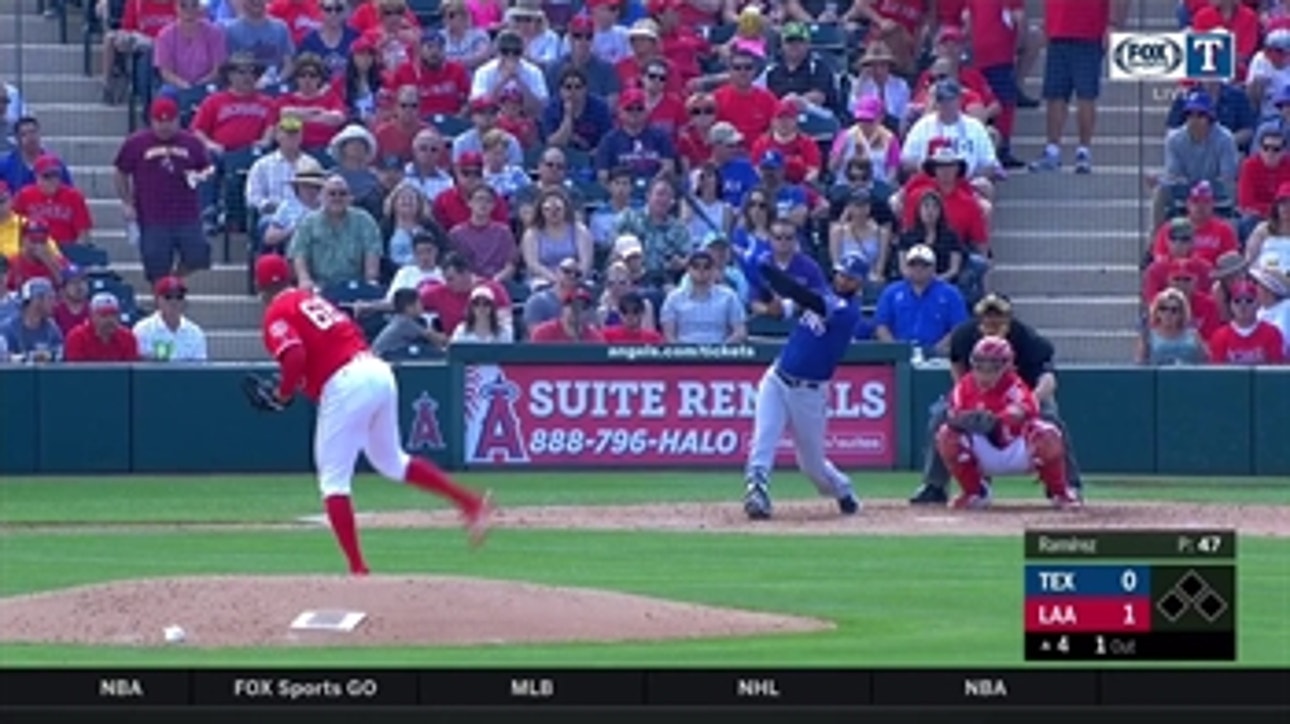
1261,177
949,13
452,207
102,338
443,85
1205,316
450,299
1077,34
369,14
646,46
1214,236
666,110
301,16
394,137
681,45
239,117
631,329
944,171
902,24
314,102
73,305
1239,20
37,257
1246,340
979,99
995,27
512,118
1180,254
141,23
394,36
693,145
60,208
691,14
747,107
785,137
573,323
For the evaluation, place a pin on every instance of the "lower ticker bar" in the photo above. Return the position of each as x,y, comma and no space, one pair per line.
305,688
79,687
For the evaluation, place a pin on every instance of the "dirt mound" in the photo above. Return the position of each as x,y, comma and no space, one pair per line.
402,611
879,517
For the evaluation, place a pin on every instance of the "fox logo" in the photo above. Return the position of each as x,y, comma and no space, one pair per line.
425,433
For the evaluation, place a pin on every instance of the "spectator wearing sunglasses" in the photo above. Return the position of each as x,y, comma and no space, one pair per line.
541,43
483,116
167,335
1261,182
395,136
313,102
332,39
666,110
367,15
1202,309
704,311
1169,338
511,69
694,139
598,74
463,42
265,38
1246,339
60,207
747,107
1231,105
338,243
581,119
646,150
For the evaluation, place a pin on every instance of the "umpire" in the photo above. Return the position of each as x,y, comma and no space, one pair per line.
1034,362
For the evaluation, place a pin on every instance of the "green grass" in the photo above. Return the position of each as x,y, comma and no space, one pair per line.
896,601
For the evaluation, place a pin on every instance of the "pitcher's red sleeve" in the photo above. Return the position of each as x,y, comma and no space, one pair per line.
292,362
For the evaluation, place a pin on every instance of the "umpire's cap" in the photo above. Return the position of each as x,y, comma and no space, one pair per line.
993,304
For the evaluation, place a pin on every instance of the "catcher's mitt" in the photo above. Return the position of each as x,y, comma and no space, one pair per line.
262,393
974,422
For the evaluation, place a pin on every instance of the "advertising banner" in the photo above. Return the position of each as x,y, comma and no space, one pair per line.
657,415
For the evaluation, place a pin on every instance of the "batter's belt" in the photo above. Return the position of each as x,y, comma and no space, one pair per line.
792,381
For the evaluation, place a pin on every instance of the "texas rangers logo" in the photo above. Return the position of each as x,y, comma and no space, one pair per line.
813,322
425,433
493,432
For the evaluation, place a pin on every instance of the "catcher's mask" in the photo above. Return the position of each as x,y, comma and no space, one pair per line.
991,356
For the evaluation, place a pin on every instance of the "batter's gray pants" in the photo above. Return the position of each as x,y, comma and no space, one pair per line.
936,475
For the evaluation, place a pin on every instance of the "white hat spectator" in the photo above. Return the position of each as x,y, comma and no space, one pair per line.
921,253
1278,39
353,132
643,28
1272,280
723,133
104,303
35,288
483,292
627,245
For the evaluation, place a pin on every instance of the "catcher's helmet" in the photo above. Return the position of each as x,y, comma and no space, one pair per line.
992,353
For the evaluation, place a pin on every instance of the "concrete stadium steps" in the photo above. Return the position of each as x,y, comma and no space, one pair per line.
1112,119
60,88
1035,280
222,280
224,312
29,26
1119,181
1058,247
49,58
1085,346
1092,312
93,151
1083,216
83,118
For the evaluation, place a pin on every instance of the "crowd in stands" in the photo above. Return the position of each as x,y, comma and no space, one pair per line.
1216,279
618,170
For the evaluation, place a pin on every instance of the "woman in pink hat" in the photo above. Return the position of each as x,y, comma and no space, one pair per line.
868,138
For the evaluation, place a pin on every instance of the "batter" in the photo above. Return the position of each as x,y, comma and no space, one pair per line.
794,390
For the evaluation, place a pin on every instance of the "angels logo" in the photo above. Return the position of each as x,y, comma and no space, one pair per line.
493,432
425,433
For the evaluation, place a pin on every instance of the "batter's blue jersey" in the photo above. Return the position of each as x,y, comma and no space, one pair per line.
816,345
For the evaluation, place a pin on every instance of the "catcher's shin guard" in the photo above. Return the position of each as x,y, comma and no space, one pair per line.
1048,455
955,449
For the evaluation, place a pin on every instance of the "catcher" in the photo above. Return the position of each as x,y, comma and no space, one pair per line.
994,428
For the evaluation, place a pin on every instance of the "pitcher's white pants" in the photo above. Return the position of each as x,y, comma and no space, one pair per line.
358,412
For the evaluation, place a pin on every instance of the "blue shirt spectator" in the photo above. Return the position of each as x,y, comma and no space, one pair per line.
920,309
18,173
738,177
1232,108
267,39
334,58
589,128
643,153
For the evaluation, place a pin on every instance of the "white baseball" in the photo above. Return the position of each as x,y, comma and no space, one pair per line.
175,635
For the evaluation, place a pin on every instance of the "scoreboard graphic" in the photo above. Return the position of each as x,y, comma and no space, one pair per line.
1098,595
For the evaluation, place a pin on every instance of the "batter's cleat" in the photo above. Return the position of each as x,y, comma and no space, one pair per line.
479,520
757,502
849,504
928,494
1070,500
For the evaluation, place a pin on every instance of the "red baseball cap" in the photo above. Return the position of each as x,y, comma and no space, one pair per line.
163,109
631,97
581,24
787,108
173,285
950,34
1243,288
470,159
1202,191
483,105
271,270
47,163
364,44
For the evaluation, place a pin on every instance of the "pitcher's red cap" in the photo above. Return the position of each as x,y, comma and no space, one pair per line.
271,270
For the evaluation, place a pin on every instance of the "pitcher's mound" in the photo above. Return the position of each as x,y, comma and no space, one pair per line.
401,611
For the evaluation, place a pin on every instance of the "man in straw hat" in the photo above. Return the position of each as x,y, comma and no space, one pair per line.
1274,299
1033,361
322,352
901,24
305,197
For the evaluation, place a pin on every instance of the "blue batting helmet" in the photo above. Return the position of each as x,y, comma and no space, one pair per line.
854,266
